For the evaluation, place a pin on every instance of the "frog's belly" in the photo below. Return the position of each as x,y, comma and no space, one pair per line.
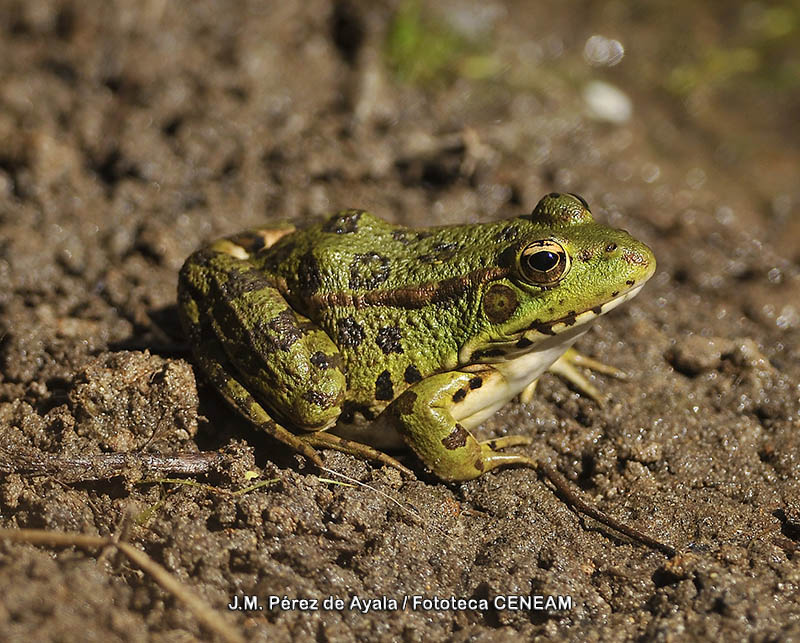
501,382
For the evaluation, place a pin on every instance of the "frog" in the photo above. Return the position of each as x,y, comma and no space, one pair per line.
360,335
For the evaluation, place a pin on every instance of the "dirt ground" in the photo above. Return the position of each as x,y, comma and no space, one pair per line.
132,132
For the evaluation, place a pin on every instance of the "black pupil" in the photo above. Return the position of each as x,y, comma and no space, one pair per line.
543,260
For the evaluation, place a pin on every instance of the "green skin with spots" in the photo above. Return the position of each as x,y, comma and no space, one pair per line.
421,332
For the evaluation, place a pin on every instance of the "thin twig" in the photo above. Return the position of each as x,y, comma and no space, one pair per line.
404,508
565,490
209,487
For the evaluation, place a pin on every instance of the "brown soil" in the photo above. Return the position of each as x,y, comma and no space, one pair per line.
133,132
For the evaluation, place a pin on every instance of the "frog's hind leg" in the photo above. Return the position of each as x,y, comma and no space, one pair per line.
287,362
325,440
250,343
216,367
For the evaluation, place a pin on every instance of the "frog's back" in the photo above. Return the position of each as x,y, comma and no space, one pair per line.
398,302
356,254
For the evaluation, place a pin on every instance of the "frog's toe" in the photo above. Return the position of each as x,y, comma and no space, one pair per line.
507,441
565,366
493,459
526,396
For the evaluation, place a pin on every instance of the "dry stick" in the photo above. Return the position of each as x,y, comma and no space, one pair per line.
201,610
102,466
564,488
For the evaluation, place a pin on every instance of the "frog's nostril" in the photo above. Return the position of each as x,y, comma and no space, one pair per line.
611,247
633,257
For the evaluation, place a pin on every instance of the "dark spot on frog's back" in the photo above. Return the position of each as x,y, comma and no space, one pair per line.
322,400
345,222
281,332
476,382
308,275
239,282
384,390
412,374
276,257
388,339
368,271
442,251
350,333
456,439
445,250
401,236
523,342
499,303
320,360
459,395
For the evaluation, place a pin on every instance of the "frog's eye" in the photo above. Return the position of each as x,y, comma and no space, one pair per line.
544,262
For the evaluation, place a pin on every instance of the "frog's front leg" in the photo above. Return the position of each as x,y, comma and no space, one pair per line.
435,416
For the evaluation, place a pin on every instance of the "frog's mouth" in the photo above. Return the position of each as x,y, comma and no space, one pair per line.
538,330
540,335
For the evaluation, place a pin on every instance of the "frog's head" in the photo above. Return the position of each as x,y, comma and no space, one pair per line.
563,270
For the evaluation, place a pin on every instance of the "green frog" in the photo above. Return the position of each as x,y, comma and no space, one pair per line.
360,335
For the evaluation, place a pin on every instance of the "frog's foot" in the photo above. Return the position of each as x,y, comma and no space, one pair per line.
325,440
565,366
